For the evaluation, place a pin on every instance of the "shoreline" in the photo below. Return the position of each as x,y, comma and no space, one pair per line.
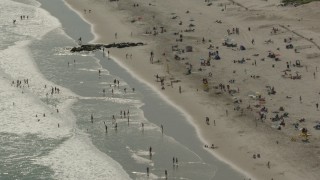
180,103
185,114
166,99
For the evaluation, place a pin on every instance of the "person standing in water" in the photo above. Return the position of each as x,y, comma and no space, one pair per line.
150,151
148,171
104,92
113,119
106,127
176,161
166,174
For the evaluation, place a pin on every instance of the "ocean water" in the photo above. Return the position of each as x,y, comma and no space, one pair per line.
51,134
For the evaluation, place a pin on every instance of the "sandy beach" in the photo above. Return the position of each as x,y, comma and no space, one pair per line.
258,93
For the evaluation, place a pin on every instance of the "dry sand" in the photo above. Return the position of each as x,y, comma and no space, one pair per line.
240,134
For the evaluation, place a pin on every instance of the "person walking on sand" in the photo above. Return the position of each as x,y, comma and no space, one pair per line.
116,35
91,118
151,57
207,121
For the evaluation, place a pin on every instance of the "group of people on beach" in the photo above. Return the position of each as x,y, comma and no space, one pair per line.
235,30
85,11
230,87
18,83
22,17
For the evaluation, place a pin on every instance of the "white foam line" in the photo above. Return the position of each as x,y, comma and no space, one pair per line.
80,148
142,160
17,62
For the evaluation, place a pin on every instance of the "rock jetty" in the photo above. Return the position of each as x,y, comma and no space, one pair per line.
93,47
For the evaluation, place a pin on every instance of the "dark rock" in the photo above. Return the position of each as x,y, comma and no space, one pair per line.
93,47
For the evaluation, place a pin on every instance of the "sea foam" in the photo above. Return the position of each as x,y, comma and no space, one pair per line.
24,108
